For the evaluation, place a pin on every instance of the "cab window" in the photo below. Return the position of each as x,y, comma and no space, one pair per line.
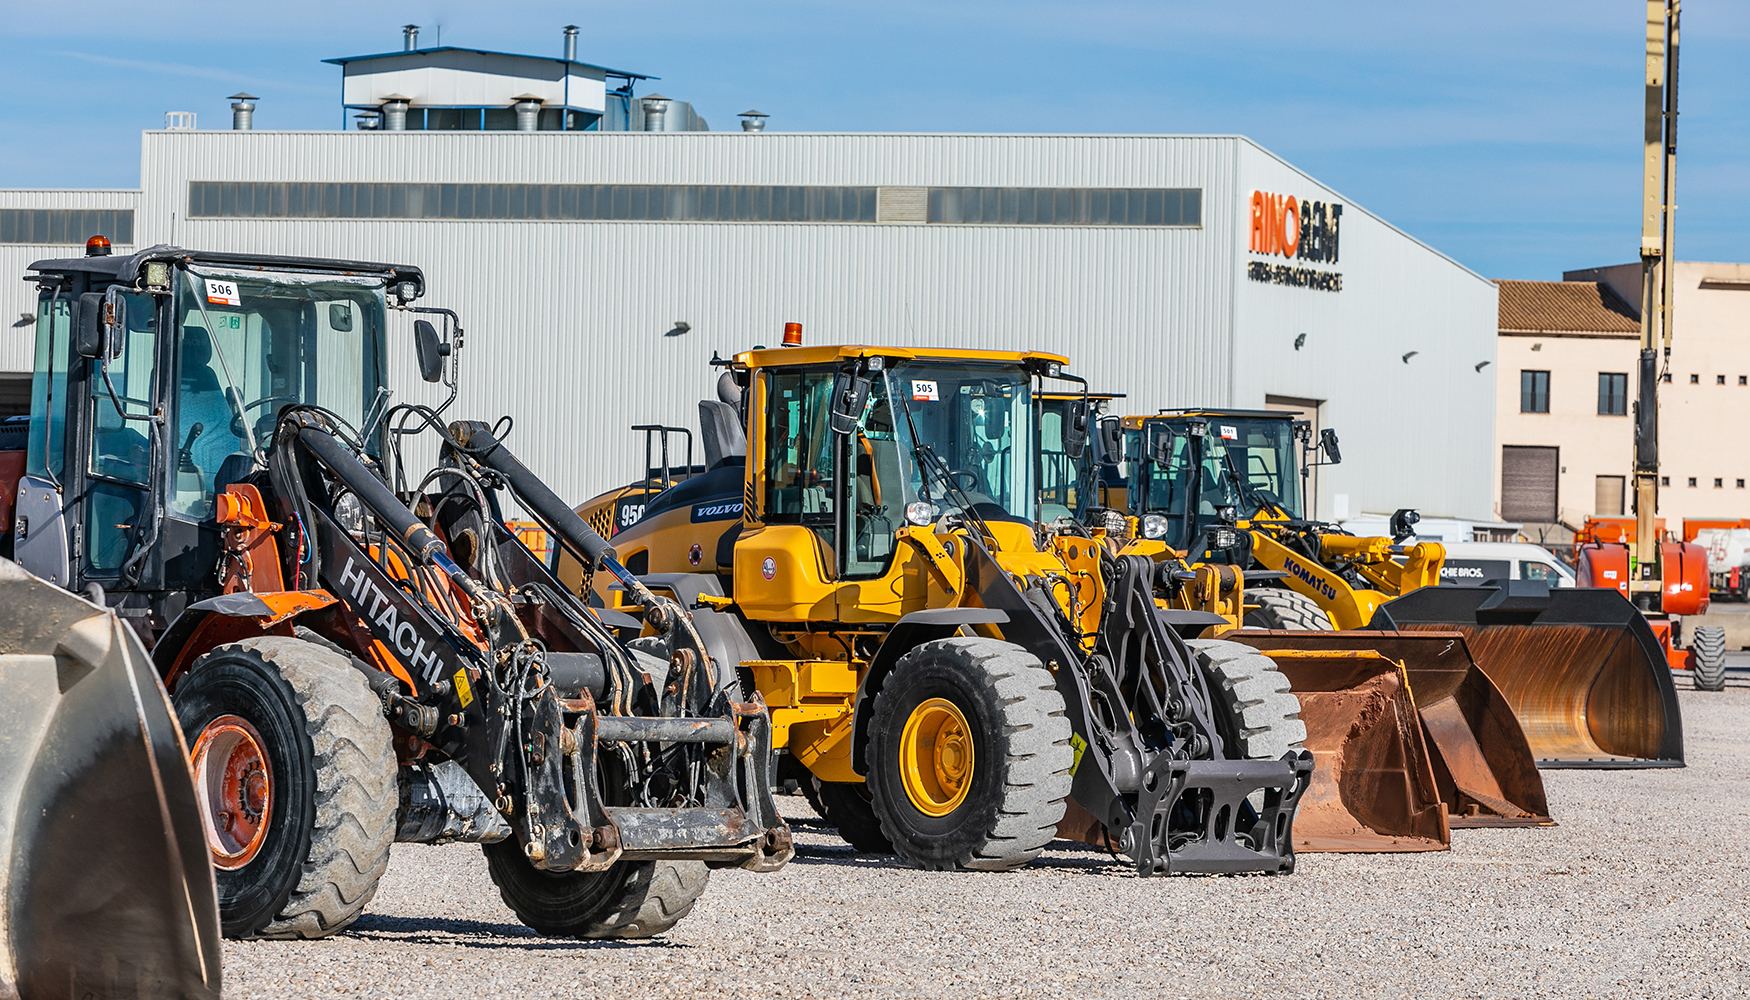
799,451
119,448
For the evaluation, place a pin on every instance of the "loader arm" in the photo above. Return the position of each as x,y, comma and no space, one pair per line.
1348,607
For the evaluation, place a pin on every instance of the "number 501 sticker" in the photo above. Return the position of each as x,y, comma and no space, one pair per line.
222,293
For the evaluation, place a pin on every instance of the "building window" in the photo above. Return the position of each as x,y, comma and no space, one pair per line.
1692,482
1067,206
1612,394
1608,494
1533,392
72,226
1740,484
1694,379
1744,380
686,203
1664,480
1665,377
1719,380
1719,484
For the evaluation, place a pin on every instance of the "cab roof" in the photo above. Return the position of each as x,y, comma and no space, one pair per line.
129,269
784,357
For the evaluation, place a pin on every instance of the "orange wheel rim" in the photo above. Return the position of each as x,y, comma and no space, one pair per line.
234,784
935,757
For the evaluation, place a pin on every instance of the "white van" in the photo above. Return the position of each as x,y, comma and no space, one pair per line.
1475,563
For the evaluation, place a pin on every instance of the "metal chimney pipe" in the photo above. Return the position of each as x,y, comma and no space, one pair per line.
571,43
753,121
528,113
409,37
243,112
655,112
395,114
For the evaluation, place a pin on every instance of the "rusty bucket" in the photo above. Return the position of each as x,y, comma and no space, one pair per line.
106,884
1580,668
1373,785
1483,767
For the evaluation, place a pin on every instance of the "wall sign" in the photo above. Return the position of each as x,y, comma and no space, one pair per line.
1285,226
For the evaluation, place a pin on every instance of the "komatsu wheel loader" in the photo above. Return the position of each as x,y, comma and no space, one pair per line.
1580,668
211,449
956,664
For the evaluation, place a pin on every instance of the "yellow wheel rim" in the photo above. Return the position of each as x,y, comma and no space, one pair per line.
935,757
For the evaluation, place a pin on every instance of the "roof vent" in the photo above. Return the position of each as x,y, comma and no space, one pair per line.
409,37
655,111
179,121
571,43
753,121
528,113
395,113
243,112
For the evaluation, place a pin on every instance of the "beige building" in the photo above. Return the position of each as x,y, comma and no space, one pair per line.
1566,361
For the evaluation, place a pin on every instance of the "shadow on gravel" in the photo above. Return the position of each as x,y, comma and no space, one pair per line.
462,933
1085,859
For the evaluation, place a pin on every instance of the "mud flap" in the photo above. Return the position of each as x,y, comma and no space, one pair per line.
1483,769
1579,667
108,885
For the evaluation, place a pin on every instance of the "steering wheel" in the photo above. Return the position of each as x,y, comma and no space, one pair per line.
267,399
968,483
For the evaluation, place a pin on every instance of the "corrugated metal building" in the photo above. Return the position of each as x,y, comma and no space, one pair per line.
1179,270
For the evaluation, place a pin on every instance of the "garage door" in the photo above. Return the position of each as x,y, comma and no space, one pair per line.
1528,483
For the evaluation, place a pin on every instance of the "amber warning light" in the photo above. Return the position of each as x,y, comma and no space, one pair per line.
97,246
792,334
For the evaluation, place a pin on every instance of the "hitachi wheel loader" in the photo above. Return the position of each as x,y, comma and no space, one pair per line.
354,664
955,665
1580,668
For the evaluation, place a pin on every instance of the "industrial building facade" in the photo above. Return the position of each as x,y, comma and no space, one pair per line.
596,273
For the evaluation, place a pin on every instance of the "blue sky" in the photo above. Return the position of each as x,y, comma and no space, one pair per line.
1504,134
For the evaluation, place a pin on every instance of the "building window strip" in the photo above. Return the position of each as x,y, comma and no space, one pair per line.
1612,394
1164,207
1534,392
69,226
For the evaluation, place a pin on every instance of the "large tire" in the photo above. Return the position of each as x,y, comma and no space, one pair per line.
331,813
846,805
1285,609
1708,643
633,899
1259,717
1008,793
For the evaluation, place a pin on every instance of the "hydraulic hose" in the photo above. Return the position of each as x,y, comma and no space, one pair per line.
419,540
542,501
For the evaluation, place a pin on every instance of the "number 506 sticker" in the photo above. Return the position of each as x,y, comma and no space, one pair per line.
223,293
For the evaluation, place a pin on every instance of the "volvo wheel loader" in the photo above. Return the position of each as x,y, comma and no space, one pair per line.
356,665
1580,668
956,664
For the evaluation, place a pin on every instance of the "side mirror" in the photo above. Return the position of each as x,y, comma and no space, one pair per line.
1328,445
1160,445
1403,524
103,325
1075,430
430,350
1111,441
850,392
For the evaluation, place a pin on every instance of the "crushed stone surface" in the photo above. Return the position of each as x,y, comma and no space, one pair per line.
1639,892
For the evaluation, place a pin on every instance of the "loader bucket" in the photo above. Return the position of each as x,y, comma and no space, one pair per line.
1580,667
1373,787
106,884
1482,764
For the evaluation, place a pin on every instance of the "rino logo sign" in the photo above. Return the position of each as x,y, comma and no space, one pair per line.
1285,226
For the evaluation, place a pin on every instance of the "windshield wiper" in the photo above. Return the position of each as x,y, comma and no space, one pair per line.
233,396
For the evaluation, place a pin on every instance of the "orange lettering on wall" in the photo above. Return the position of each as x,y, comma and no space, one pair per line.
1290,224
1258,243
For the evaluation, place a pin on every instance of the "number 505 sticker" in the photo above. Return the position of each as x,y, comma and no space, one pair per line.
223,293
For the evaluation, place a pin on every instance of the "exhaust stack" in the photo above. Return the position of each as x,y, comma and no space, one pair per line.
242,112
409,37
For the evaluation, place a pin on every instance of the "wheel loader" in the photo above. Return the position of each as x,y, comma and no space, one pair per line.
1580,668
954,664
356,664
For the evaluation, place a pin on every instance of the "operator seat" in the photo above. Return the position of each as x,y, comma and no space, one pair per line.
201,400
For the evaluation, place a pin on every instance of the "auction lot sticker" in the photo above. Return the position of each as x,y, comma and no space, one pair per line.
924,392
223,293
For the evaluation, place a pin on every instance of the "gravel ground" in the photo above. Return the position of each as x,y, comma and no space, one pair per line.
1640,892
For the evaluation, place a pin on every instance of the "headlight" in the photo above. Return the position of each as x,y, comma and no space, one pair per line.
1224,538
918,512
349,512
1154,526
1228,514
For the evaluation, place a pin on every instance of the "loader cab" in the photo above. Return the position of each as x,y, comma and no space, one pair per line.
1196,470
853,450
157,382
1071,486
